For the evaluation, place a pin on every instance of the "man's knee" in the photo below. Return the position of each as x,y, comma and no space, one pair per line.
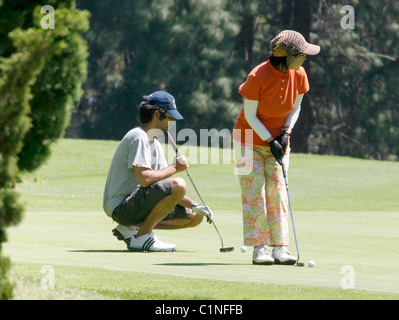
178,187
196,219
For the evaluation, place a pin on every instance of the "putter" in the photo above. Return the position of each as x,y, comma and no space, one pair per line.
298,264
222,249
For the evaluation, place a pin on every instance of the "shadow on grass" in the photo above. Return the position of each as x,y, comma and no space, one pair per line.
101,251
174,264
199,264
120,251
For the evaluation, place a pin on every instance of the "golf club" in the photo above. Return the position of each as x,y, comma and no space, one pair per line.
222,249
298,264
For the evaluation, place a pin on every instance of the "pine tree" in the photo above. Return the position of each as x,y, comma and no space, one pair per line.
356,80
183,47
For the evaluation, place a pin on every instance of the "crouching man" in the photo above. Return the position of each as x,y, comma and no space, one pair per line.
141,193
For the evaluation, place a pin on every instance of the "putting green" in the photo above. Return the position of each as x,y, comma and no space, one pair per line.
335,241
353,244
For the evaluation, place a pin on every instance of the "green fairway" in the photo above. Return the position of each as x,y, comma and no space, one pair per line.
346,213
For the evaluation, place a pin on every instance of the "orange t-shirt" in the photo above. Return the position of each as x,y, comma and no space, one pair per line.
276,92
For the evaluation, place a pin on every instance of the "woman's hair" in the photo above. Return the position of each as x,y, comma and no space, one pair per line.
279,63
146,111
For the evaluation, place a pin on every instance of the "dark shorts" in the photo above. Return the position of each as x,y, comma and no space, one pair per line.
138,205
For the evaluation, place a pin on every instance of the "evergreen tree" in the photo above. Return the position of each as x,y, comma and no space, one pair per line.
34,49
201,51
356,82
184,47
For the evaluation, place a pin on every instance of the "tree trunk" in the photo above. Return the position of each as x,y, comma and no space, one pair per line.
302,129
245,39
287,14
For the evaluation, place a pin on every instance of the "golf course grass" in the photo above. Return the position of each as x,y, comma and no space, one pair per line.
346,214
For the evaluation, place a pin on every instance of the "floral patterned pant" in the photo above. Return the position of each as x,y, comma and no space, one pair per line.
264,197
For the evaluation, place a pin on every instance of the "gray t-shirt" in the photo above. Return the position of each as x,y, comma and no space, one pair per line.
135,150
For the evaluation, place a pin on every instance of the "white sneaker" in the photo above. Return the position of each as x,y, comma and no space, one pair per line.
281,255
125,233
150,242
262,256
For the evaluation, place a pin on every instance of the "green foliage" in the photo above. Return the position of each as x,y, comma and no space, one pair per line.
57,87
11,211
201,51
355,82
6,286
18,73
10,208
180,46
40,77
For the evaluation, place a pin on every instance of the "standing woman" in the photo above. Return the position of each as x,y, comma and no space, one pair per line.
272,94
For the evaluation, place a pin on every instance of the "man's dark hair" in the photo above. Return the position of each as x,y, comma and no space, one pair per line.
146,112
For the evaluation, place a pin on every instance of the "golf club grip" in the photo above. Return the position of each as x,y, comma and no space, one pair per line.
173,143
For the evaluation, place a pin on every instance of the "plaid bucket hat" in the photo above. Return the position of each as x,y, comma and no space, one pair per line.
289,43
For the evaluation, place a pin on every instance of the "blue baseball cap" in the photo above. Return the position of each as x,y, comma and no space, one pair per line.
163,99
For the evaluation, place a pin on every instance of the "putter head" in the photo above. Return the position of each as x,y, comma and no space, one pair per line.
300,264
228,249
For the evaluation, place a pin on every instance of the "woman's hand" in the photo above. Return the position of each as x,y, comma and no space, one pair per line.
277,150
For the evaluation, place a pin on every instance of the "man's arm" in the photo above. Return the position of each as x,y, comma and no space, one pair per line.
147,177
186,202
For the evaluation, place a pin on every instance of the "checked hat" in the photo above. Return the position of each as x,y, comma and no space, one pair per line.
289,43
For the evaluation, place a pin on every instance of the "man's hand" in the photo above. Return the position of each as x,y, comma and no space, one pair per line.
181,163
277,150
203,210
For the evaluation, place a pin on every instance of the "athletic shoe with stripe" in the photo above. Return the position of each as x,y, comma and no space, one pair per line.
125,233
150,242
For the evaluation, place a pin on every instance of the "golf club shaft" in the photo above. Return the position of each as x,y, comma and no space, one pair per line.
187,172
192,182
289,204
